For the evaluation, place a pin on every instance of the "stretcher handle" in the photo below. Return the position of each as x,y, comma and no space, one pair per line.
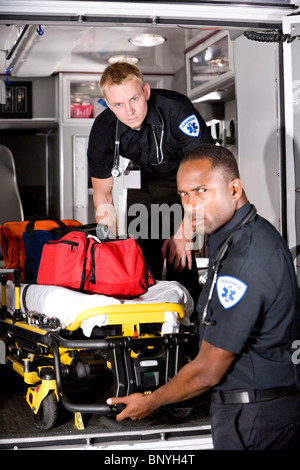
127,309
16,277
74,407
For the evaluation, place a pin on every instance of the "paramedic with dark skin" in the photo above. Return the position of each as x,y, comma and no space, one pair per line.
154,128
245,345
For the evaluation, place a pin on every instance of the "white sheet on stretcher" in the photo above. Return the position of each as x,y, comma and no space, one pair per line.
65,304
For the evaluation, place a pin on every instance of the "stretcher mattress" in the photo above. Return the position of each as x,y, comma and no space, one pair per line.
66,304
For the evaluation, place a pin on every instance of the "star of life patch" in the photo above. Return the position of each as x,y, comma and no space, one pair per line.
230,290
190,126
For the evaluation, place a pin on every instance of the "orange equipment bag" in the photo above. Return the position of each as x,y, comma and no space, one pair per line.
11,238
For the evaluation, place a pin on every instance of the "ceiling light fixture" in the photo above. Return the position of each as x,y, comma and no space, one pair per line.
123,58
147,40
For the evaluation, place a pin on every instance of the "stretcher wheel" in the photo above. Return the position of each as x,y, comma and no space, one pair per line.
47,415
181,413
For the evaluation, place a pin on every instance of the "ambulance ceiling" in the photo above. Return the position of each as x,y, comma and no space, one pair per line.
39,38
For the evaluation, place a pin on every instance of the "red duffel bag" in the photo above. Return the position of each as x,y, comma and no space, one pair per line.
114,268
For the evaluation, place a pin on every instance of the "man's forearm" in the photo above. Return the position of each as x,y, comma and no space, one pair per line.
196,377
188,383
105,213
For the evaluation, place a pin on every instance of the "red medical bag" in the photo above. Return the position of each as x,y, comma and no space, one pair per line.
114,268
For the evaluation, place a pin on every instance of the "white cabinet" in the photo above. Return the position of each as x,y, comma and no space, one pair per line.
78,105
80,98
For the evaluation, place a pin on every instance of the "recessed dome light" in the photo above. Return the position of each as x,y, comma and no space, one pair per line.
123,58
147,40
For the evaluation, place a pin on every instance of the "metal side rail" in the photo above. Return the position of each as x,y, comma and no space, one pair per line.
164,438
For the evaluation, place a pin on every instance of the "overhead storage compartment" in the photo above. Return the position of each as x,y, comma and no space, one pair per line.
37,54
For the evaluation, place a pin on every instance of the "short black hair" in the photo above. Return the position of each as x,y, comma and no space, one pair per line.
218,156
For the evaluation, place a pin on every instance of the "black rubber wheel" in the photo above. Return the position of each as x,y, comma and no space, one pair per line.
181,413
48,412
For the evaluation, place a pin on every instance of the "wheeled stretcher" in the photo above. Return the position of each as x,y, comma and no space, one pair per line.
51,333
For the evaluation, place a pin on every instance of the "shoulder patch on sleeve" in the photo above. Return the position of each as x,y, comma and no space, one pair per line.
230,290
190,126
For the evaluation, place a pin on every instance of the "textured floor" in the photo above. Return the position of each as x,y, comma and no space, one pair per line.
16,420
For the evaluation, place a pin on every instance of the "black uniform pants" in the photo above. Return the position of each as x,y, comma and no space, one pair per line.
268,425
149,215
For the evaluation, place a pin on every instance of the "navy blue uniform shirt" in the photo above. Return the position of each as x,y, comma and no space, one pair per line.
253,305
184,129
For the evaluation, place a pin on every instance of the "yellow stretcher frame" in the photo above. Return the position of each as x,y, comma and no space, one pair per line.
130,316
151,312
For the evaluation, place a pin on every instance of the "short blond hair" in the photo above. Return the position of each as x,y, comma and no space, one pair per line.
118,74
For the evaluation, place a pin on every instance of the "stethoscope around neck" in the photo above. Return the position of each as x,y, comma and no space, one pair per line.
116,169
221,253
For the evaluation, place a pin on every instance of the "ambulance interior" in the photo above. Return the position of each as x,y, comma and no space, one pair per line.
245,89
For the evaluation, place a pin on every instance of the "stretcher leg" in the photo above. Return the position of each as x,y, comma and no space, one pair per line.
43,399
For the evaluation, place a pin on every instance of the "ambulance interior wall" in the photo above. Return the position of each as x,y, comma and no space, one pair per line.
34,146
45,177
258,126
294,192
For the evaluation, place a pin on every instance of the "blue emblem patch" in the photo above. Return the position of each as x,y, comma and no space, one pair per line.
190,126
230,290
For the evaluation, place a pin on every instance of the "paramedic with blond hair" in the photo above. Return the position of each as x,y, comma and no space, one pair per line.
247,316
153,129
